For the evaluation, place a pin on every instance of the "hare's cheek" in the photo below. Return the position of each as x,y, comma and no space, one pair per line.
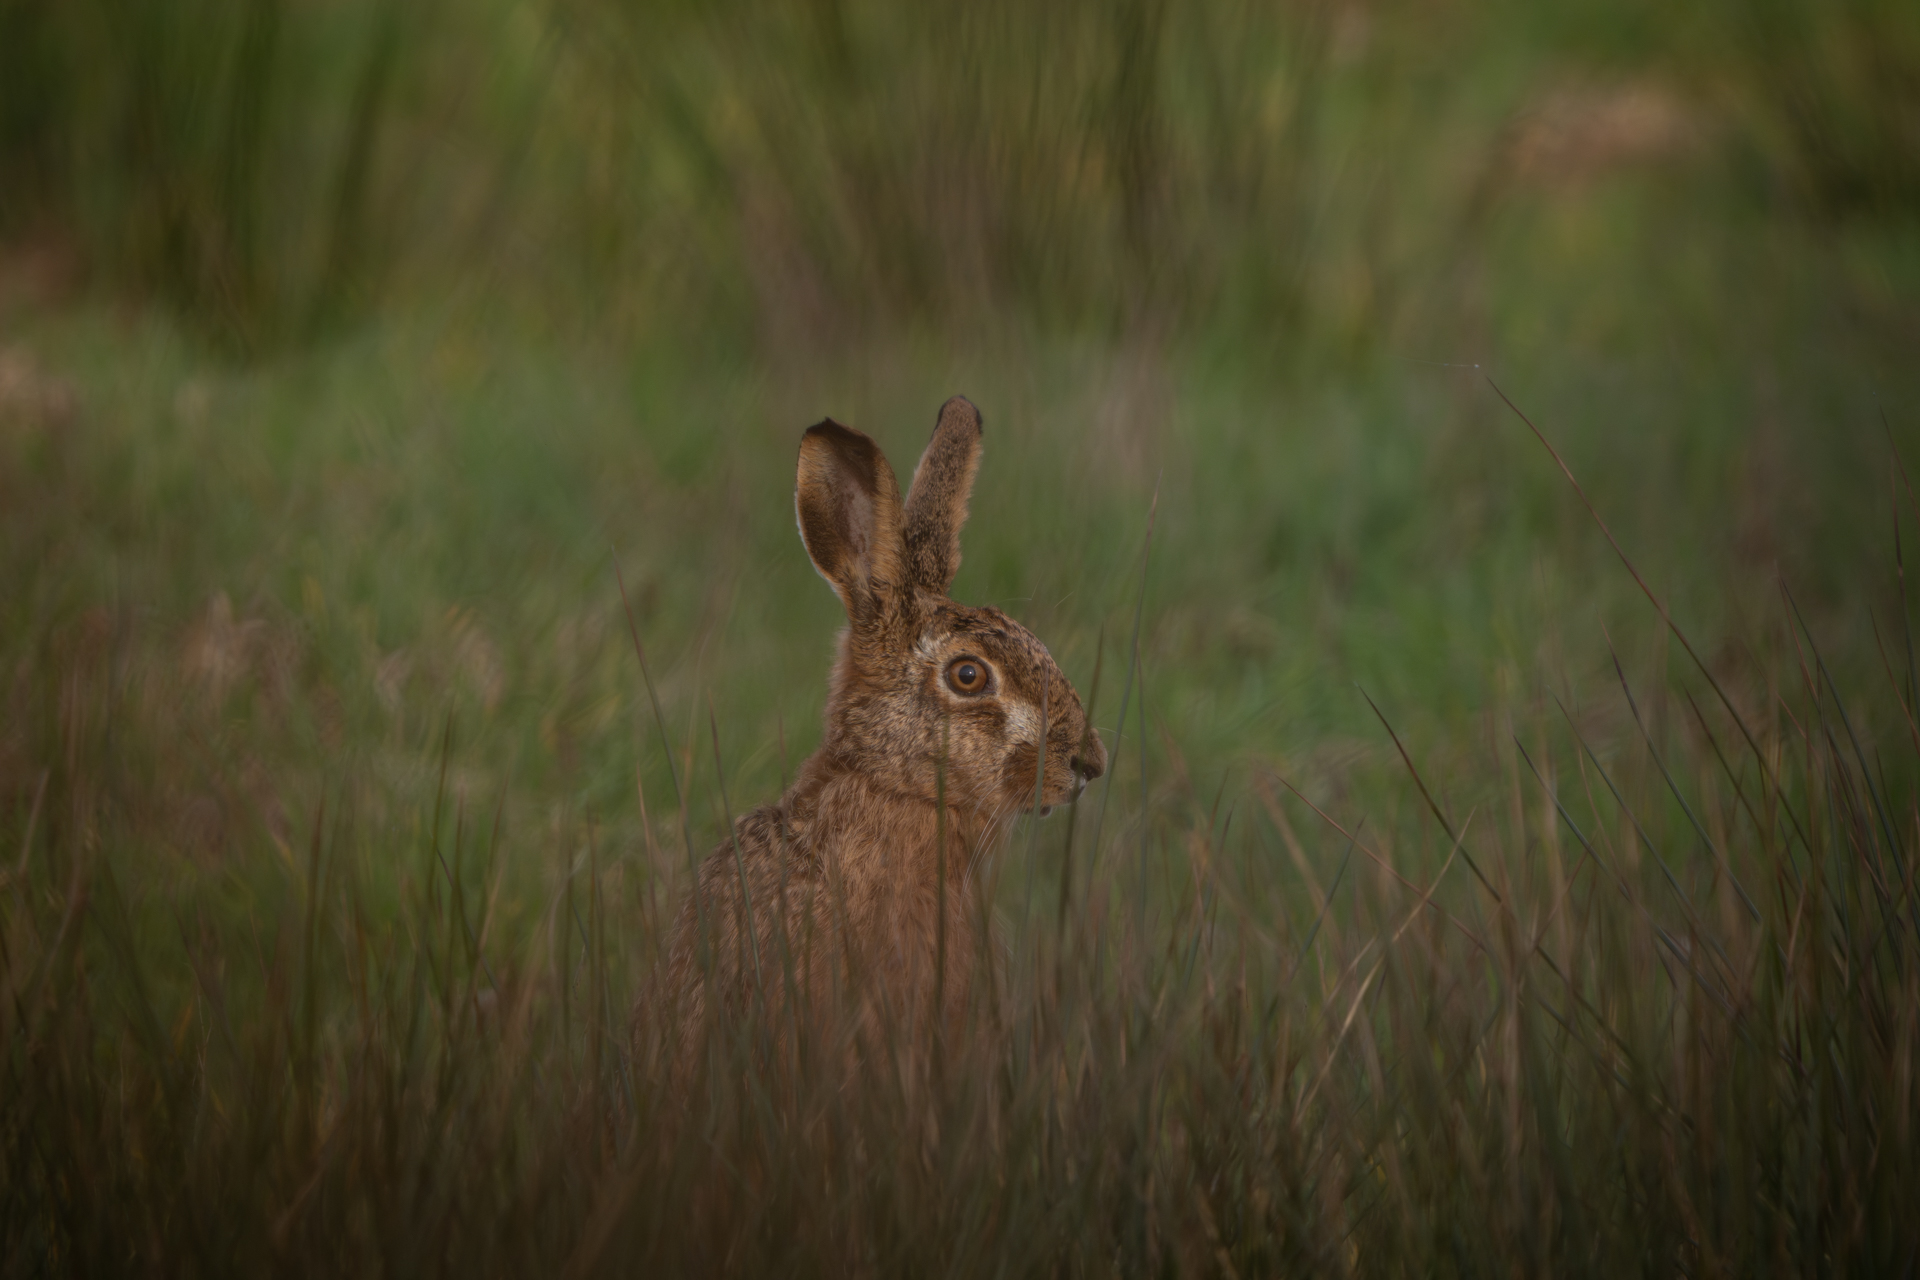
1020,771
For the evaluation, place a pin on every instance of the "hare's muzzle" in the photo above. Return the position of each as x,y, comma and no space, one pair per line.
1086,768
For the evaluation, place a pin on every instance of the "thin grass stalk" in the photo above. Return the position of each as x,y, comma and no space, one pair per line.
1126,689
666,751
1658,605
1073,806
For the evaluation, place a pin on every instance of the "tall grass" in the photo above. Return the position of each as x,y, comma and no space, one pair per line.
228,159
1633,986
1314,173
334,837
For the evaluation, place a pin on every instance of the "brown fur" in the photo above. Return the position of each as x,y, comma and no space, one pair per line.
830,901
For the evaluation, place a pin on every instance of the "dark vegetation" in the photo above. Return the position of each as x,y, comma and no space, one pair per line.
340,342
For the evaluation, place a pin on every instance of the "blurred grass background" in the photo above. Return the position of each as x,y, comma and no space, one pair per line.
345,346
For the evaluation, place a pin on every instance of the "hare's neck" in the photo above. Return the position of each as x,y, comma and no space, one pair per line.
870,829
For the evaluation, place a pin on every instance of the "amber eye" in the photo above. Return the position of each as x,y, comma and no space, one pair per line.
967,676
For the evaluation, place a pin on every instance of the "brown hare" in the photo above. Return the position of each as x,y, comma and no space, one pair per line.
855,894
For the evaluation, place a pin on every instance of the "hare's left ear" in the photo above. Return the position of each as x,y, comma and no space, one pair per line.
848,506
937,503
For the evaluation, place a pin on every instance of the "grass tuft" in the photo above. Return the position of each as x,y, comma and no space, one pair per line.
1643,1061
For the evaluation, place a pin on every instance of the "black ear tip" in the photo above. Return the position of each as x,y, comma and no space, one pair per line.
839,437
852,449
831,429
963,409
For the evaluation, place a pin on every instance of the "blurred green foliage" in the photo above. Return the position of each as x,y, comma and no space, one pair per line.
825,169
369,327
378,323
340,342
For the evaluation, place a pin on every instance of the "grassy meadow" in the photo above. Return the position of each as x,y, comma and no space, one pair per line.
1505,866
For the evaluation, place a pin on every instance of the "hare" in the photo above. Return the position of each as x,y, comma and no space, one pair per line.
856,891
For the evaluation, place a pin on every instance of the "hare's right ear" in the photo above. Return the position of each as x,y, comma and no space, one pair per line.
937,502
848,505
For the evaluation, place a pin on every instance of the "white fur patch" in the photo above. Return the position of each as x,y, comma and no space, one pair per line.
1023,723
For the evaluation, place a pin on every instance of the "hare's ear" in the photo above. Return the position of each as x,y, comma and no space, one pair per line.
937,503
848,505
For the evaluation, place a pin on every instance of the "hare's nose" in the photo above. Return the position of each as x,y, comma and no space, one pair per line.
1086,768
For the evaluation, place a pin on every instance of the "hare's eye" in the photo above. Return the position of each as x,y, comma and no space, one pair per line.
967,676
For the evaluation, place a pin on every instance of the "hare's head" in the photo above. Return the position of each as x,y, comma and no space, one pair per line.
927,692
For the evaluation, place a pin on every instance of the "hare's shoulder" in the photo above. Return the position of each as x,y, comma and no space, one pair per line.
768,831
768,844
